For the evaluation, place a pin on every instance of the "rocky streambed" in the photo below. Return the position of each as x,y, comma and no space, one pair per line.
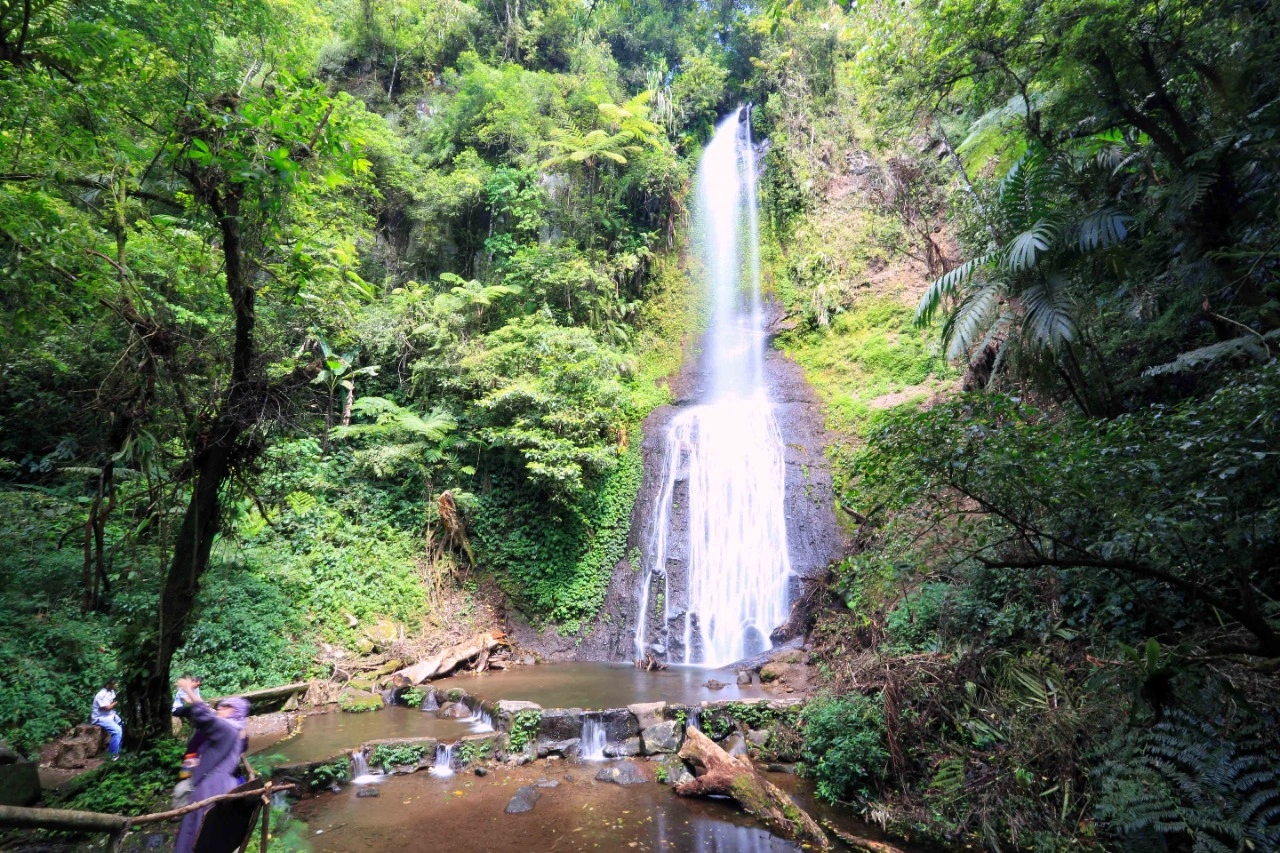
548,778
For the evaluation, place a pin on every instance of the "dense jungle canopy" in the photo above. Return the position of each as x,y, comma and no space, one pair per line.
321,314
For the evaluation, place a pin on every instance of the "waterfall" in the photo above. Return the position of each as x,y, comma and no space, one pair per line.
429,702
727,451
361,773
593,738
444,760
480,720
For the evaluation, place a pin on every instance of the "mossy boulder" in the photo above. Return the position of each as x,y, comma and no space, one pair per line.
356,701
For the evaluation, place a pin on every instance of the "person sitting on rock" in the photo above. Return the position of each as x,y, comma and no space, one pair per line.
104,716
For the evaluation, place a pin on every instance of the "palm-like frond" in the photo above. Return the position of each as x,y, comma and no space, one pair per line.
970,319
1026,249
946,285
1050,321
1102,229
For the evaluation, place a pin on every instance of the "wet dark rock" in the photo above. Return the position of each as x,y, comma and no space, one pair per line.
759,737
622,773
619,724
712,684
368,791
735,744
624,748
662,737
453,711
482,771
19,783
744,677
560,724
780,768
673,771
569,749
523,800
547,783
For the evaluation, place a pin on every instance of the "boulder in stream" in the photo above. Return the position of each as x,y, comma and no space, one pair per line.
623,773
662,737
523,800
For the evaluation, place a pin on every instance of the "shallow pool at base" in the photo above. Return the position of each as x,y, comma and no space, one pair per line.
602,685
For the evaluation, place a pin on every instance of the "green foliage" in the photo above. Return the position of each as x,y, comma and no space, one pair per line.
557,560
913,624
1188,775
844,750
247,633
386,755
866,353
328,775
474,751
135,784
524,729
414,696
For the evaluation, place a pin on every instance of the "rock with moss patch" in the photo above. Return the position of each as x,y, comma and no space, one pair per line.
355,701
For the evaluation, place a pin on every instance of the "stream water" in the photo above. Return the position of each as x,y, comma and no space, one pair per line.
717,569
326,735
600,685
463,813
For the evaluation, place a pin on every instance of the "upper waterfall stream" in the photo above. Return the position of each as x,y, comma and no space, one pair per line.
723,456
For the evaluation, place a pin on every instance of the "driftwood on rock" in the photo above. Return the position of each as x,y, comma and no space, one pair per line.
444,662
718,772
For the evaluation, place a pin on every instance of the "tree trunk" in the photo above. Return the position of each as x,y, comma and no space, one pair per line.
721,773
218,450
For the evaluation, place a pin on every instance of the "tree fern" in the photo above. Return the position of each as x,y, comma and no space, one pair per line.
1192,775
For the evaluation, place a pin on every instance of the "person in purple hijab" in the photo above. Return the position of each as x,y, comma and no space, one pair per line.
224,743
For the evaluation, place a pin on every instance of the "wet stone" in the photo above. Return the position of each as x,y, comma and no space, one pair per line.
482,771
663,737
560,724
367,791
744,677
523,800
622,773
623,749
712,684
547,783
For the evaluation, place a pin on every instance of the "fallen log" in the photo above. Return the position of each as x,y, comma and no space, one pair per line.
721,773
66,819
267,697
853,842
445,661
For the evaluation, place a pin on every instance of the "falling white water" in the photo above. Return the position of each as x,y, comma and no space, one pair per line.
728,449
444,760
361,774
480,720
593,738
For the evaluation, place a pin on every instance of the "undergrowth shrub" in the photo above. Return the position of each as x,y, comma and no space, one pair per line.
136,784
555,560
844,749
